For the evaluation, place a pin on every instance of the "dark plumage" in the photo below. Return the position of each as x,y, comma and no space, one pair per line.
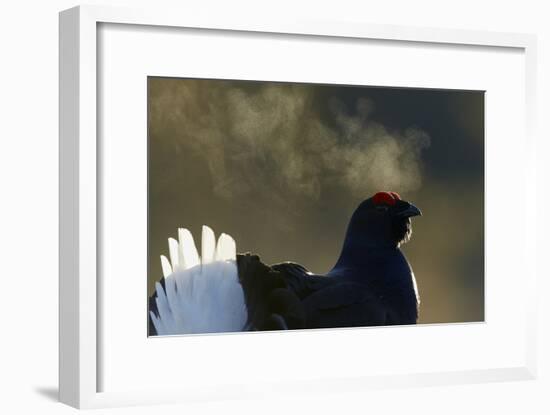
371,284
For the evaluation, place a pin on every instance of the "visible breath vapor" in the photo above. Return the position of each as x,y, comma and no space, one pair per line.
278,142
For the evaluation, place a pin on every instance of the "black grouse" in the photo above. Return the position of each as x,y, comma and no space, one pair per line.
371,284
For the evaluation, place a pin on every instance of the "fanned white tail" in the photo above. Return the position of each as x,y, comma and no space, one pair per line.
203,293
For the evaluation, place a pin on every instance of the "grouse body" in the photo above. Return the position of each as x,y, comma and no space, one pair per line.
371,284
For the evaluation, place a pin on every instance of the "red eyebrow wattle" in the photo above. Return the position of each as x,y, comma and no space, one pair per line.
386,198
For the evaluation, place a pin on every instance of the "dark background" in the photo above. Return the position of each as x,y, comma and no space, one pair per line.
281,167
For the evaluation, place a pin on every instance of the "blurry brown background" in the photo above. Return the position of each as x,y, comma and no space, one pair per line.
281,167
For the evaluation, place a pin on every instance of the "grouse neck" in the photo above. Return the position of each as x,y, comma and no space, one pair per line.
359,249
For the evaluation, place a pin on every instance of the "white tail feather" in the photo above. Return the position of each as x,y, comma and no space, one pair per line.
200,296
208,245
226,248
188,255
174,256
166,267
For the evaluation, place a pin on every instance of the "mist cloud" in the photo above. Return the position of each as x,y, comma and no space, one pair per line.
278,141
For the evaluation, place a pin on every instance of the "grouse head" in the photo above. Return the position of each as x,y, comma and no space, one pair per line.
383,219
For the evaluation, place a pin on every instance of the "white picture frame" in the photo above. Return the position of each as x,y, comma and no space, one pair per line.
80,168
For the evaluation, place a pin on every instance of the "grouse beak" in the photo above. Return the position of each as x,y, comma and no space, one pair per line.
408,210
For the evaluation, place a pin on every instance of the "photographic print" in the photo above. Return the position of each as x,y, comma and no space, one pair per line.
284,206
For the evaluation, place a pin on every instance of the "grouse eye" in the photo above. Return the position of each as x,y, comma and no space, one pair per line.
382,208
